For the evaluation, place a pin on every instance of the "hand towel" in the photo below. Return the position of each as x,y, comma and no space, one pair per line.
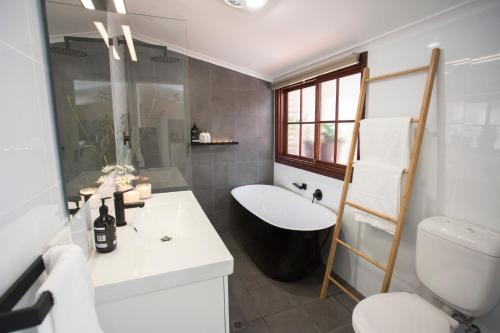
70,284
385,141
377,187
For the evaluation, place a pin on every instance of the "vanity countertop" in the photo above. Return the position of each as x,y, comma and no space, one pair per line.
142,263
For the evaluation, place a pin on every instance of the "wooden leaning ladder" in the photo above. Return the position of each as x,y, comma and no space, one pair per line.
400,220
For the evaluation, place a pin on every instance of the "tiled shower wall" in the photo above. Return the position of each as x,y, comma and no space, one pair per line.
229,105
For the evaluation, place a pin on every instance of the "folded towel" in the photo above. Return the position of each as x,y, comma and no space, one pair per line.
70,284
377,187
385,141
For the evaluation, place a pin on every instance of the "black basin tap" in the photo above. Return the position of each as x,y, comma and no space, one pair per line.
120,207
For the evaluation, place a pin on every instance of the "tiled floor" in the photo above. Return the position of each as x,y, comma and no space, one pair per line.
258,304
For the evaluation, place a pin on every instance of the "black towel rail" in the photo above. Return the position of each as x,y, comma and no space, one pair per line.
13,320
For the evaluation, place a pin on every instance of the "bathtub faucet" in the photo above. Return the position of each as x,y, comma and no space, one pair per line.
317,195
302,186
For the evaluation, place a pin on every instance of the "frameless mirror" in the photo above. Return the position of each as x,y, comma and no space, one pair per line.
119,84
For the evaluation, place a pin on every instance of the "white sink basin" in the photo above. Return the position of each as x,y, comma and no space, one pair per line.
142,262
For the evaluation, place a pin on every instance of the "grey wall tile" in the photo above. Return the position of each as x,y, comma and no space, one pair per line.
247,151
222,199
222,102
229,105
247,173
200,155
205,199
223,127
223,154
247,101
266,151
198,72
199,98
221,77
224,175
202,176
266,172
246,125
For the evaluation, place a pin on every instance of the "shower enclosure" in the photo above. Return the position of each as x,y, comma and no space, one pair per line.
119,84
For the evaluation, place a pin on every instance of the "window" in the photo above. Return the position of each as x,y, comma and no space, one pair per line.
315,121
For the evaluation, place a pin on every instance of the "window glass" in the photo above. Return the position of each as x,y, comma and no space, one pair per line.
293,139
348,96
308,104
328,100
308,140
327,148
293,101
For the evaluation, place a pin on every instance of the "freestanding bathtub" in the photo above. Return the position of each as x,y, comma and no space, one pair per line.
279,230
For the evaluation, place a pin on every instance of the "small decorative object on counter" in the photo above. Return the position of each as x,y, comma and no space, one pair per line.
195,133
105,230
144,190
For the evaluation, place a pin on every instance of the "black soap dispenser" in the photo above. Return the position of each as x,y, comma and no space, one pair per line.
195,134
105,230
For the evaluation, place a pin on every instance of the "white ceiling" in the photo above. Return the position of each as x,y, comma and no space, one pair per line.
286,33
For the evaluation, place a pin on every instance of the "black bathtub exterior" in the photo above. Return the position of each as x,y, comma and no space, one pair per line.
281,254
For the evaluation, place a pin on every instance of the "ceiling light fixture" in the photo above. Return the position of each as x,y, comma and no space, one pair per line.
102,31
88,4
130,42
251,4
120,7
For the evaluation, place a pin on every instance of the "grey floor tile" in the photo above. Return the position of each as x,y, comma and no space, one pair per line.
290,321
302,291
246,270
272,299
231,241
256,326
346,301
241,306
345,329
326,314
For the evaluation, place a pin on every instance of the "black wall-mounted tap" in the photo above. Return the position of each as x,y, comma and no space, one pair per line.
120,207
317,195
302,186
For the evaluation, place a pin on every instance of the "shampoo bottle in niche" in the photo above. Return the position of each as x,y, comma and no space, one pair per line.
195,134
105,230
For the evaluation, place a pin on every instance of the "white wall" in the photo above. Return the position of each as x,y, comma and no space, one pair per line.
458,174
31,205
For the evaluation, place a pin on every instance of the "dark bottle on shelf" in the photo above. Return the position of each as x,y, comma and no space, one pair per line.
195,134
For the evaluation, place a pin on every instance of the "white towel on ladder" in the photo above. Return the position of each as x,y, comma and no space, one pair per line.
385,153
385,141
376,187
70,284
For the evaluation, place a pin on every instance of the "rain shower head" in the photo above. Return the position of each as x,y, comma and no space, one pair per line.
67,50
164,59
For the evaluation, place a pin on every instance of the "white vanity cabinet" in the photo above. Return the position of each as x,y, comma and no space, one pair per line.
148,285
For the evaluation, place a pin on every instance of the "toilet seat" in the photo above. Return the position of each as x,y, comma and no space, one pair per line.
400,312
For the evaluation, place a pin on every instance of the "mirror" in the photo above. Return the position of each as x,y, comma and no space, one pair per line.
119,84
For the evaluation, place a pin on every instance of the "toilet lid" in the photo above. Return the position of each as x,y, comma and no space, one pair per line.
400,312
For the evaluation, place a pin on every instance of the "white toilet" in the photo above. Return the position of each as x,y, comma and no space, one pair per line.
459,262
